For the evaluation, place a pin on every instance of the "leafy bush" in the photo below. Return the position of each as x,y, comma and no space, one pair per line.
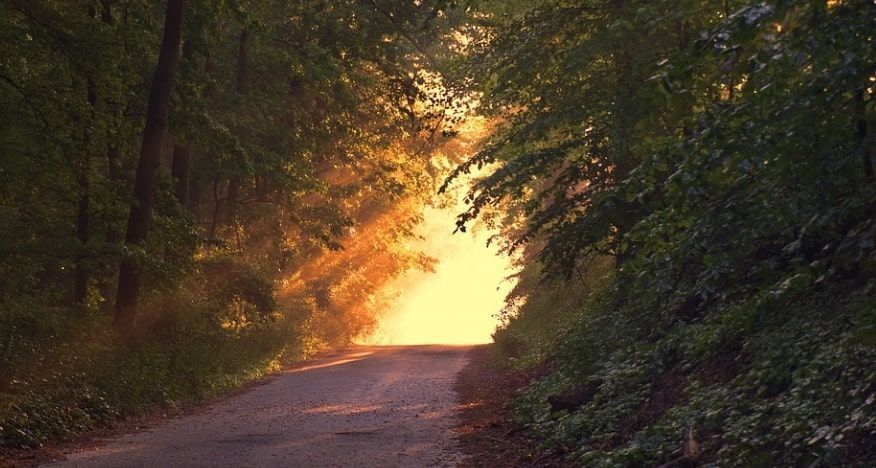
72,373
798,388
721,153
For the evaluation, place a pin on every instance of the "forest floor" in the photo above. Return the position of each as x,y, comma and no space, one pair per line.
487,431
367,406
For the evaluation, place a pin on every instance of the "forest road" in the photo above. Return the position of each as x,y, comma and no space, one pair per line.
367,406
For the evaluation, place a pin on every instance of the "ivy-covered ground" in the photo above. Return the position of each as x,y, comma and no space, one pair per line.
690,188
763,381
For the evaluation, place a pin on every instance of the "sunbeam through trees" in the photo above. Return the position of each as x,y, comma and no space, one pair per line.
663,213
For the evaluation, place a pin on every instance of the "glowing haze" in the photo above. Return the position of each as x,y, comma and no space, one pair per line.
458,303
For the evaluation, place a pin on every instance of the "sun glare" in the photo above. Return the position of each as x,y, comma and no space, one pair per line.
458,303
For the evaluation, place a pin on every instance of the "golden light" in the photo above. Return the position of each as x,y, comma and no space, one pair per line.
456,304
459,302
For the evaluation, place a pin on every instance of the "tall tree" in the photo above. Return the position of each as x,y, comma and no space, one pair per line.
181,162
130,276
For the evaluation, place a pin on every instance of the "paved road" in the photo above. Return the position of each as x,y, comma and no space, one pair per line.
386,406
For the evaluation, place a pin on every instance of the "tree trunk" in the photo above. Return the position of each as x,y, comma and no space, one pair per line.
83,229
243,73
180,170
231,198
180,167
866,157
113,164
80,288
243,61
147,165
194,205
114,175
214,220
106,12
623,161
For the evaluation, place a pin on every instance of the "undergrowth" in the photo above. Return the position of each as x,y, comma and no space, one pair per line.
761,381
67,371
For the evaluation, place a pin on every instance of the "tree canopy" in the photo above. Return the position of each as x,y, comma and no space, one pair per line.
691,184
192,189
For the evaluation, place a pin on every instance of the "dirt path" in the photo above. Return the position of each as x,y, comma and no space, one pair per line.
388,406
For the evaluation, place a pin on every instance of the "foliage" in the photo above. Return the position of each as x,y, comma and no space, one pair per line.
721,153
746,398
86,378
296,161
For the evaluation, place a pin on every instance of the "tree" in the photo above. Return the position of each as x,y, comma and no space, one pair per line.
148,163
572,121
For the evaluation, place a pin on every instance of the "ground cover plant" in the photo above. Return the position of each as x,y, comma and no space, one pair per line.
719,155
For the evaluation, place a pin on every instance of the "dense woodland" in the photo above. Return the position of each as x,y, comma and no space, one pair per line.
694,180
193,191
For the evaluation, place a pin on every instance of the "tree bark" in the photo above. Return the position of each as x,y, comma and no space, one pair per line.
106,11
83,221
147,165
243,72
115,175
231,198
866,157
243,61
180,167
113,164
83,233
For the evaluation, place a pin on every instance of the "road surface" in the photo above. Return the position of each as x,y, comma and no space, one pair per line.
375,406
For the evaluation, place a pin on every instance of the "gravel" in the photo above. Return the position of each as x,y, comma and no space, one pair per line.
368,406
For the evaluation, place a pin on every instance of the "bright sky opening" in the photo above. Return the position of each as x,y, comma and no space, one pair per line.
458,303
